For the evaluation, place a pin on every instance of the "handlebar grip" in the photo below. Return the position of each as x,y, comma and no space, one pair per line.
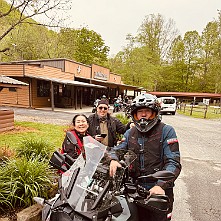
123,163
142,191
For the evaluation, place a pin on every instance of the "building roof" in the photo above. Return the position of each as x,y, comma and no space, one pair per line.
39,61
185,94
62,81
11,81
123,86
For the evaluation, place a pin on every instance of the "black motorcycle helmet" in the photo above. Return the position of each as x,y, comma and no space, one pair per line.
145,101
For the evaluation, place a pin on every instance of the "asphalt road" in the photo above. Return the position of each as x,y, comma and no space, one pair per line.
198,188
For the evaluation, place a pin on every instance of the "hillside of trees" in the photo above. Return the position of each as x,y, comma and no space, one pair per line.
22,38
158,58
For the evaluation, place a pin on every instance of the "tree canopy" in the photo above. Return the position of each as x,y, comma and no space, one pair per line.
22,37
14,13
83,45
159,59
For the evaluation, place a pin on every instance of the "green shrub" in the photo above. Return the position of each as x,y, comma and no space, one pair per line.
21,180
123,118
31,148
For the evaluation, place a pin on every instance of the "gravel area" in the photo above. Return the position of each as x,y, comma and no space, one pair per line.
59,116
42,120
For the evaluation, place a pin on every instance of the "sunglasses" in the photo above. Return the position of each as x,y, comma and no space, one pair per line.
105,108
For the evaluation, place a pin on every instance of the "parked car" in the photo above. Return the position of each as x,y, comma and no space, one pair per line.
168,105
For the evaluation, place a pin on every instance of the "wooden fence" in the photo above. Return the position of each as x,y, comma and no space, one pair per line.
6,120
204,110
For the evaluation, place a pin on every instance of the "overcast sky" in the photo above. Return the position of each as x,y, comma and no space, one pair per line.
114,19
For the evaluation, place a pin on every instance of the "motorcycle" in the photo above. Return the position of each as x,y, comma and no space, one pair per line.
94,109
87,192
117,106
127,110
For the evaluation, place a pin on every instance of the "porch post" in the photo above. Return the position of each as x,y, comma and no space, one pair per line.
76,98
52,96
30,93
81,97
125,91
108,93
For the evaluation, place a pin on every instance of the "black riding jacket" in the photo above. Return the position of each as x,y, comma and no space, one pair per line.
114,126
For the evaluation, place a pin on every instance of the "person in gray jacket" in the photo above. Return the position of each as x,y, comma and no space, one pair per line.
103,127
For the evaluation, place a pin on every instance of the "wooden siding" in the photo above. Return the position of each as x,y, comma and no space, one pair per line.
9,85
6,120
46,71
71,69
30,71
114,78
11,70
38,101
99,69
78,69
19,97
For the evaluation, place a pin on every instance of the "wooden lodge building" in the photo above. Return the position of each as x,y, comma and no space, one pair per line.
59,83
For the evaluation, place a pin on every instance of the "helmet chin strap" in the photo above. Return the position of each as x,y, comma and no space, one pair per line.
145,125
144,122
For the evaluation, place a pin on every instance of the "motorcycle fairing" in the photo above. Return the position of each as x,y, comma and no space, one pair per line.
86,192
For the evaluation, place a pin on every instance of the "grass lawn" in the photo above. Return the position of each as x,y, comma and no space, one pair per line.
53,134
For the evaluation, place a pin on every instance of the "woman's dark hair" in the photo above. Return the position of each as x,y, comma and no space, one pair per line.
77,115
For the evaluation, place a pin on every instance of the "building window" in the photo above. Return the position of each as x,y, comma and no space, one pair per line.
12,89
43,88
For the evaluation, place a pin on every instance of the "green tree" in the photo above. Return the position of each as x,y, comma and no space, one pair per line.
82,45
175,71
192,45
14,13
218,70
67,43
144,56
29,42
209,56
143,71
158,34
90,47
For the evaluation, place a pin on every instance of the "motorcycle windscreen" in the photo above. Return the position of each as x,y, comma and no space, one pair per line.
66,177
94,152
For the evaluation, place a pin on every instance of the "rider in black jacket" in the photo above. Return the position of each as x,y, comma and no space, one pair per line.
103,123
